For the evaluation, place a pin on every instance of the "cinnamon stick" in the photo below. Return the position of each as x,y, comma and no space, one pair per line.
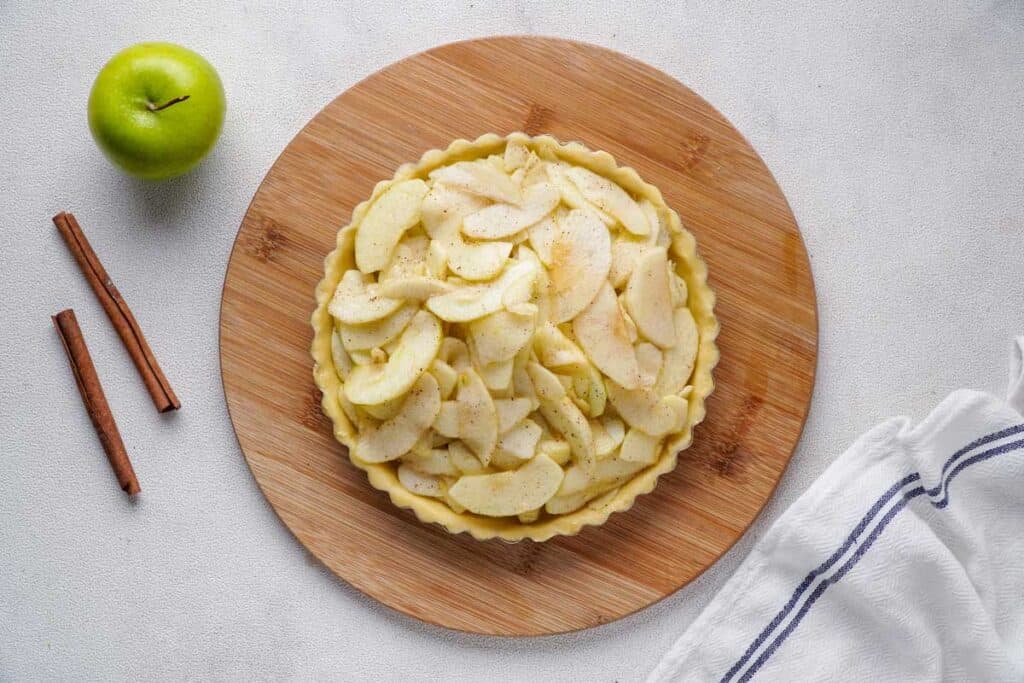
118,312
95,401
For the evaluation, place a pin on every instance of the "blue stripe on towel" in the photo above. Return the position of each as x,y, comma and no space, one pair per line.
953,466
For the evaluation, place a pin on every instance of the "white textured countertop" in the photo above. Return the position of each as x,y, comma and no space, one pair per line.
896,130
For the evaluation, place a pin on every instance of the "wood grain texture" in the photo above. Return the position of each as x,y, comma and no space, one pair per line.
758,268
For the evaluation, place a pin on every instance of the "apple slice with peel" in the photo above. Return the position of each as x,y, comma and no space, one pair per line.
395,437
648,298
390,215
385,410
580,485
420,483
640,447
609,198
480,178
356,301
646,410
501,220
475,301
580,259
378,333
515,156
417,348
678,364
499,336
602,333
443,210
509,493
511,411
478,419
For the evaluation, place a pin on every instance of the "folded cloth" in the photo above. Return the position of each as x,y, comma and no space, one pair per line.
903,562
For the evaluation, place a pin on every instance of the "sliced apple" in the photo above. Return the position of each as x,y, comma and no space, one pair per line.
350,410
407,259
609,198
556,449
588,385
446,377
580,259
417,347
511,411
436,461
393,212
608,434
646,410
522,385
437,260
339,357
499,336
501,220
520,442
678,364
377,333
509,493
545,383
477,261
679,289
516,155
648,298
395,437
357,301
639,446
602,333
566,419
478,419
580,485
385,410
649,359
556,350
413,288
497,376
542,236
443,210
420,483
480,178
455,353
475,301
464,459
447,421
571,194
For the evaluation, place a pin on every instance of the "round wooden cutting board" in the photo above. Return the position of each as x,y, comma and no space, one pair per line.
758,268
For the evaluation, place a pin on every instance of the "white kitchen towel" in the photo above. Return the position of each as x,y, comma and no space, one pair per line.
903,562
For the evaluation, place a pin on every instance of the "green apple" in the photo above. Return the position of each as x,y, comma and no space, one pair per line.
156,109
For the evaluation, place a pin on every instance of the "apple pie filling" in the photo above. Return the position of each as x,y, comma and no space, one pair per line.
512,333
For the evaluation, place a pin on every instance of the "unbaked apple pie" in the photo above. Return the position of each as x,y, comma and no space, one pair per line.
514,337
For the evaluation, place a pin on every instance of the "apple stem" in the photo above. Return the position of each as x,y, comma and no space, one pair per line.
153,107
